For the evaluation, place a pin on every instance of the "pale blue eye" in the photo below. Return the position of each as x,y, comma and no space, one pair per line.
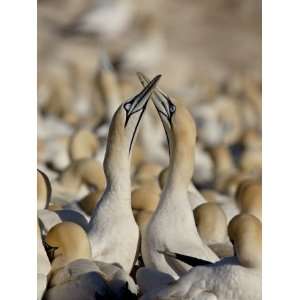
172,108
127,106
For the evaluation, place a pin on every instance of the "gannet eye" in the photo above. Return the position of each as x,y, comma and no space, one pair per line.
127,106
172,108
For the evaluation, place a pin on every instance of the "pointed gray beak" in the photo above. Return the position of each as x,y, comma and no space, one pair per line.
162,102
139,102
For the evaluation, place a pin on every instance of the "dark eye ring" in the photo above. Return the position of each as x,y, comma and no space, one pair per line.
172,108
127,106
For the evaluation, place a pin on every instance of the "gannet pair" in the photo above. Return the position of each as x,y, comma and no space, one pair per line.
172,226
232,278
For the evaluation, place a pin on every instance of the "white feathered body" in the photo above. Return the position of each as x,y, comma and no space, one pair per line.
113,232
222,281
173,228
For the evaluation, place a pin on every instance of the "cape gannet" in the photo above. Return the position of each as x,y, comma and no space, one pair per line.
172,226
248,197
212,227
113,231
74,275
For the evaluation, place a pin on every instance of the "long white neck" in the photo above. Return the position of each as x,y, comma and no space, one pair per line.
180,170
117,195
117,172
181,166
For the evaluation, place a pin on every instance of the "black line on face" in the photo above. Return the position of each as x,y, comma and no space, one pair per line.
169,108
147,90
128,115
136,126
162,113
172,107
166,132
167,139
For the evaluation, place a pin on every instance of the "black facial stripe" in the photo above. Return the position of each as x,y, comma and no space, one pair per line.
170,105
168,141
159,113
136,126
166,109
129,115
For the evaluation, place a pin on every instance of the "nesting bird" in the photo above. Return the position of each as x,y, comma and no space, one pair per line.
83,144
206,216
248,197
78,179
211,223
74,275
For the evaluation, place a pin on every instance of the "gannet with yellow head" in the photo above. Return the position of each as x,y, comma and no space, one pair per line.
248,197
74,274
112,231
211,223
172,225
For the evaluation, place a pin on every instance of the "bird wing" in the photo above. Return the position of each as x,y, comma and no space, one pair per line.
190,251
190,260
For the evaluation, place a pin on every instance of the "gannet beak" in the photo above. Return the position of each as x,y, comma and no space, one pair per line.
163,105
139,102
162,102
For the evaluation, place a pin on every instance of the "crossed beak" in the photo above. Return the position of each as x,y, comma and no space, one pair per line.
139,102
160,99
162,104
